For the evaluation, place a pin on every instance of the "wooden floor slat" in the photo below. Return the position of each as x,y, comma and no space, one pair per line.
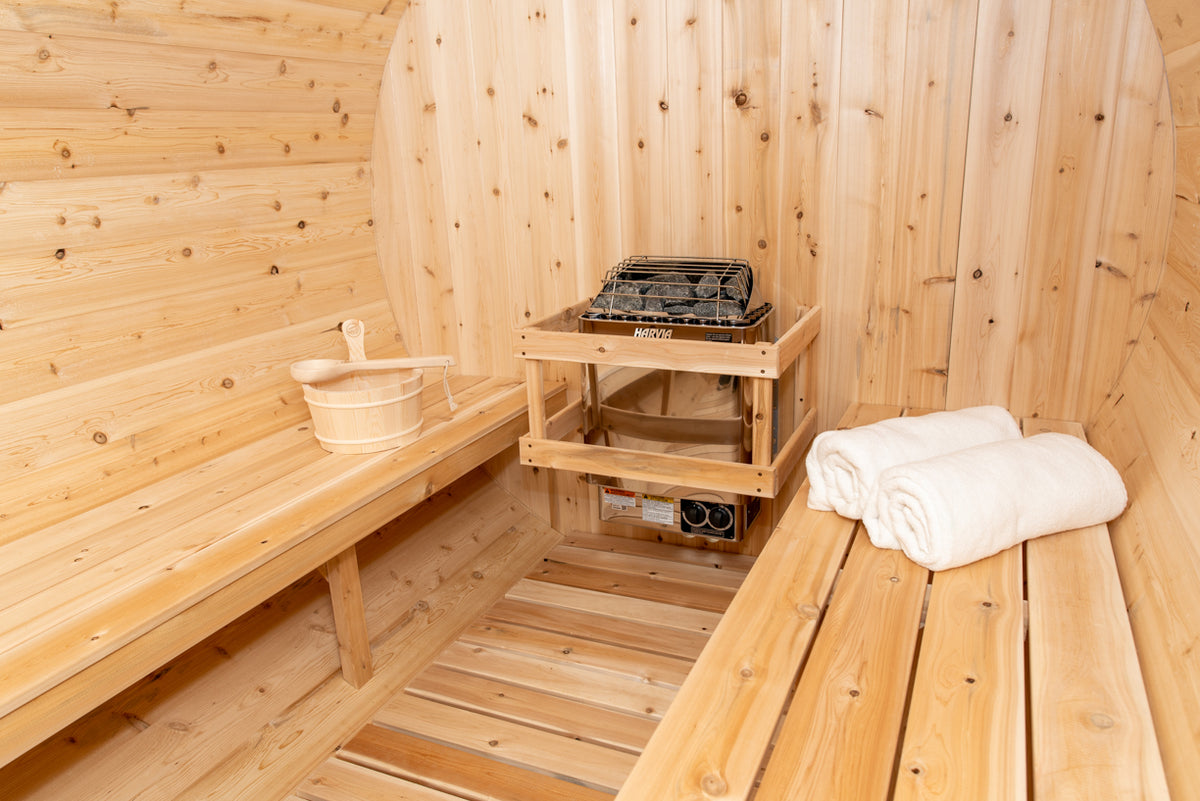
339,780
649,668
554,691
634,634
677,554
617,606
605,690
712,599
457,772
660,568
575,719
589,764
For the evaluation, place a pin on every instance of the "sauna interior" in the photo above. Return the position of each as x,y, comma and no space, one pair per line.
988,201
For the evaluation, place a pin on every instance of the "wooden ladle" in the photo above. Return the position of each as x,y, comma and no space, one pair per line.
311,371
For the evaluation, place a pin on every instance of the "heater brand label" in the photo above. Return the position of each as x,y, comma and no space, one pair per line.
653,333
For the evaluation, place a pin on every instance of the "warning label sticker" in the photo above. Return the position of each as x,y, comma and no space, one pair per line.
658,510
619,499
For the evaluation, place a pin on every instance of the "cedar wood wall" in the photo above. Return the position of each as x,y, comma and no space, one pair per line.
978,194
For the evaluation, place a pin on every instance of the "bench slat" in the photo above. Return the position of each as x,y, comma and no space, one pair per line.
839,737
1090,721
965,734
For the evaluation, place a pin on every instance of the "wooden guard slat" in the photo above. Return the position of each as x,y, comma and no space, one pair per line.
689,471
558,339
1090,721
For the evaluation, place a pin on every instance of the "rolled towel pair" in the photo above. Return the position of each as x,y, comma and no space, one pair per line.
844,465
959,507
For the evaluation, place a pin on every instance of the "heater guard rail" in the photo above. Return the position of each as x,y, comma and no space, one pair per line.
557,338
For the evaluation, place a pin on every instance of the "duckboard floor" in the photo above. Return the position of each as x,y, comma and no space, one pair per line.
553,691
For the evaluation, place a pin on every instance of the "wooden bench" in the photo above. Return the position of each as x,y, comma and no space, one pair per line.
96,600
845,671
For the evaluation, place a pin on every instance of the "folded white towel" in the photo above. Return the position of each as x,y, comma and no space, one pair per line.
960,507
844,465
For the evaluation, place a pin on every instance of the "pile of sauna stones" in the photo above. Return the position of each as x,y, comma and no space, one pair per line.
676,295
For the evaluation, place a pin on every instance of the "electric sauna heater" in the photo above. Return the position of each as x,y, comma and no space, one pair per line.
675,411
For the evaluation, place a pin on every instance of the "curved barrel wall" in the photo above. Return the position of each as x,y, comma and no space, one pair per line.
978,194
1149,427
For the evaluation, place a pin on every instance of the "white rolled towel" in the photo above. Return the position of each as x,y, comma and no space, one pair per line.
960,507
844,465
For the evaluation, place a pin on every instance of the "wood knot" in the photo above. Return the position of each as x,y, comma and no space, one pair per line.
227,383
808,611
740,99
714,784
1101,720
100,438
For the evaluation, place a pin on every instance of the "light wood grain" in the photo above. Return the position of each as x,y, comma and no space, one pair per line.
535,708
852,690
339,780
908,358
349,617
67,71
1089,719
1083,76
965,733
458,772
636,634
276,27
1006,108
592,765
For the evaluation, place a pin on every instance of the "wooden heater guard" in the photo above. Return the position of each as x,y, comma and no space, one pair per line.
557,338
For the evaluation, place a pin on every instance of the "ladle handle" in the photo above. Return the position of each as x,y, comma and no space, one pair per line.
353,331
403,362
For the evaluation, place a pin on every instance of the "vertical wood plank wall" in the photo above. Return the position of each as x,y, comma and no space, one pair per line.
974,192
185,208
954,182
1149,428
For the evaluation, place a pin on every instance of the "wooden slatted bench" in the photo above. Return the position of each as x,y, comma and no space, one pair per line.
843,671
95,601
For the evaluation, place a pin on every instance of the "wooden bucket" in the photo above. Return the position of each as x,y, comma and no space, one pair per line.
367,411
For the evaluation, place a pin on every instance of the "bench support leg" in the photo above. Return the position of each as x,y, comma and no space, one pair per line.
349,617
